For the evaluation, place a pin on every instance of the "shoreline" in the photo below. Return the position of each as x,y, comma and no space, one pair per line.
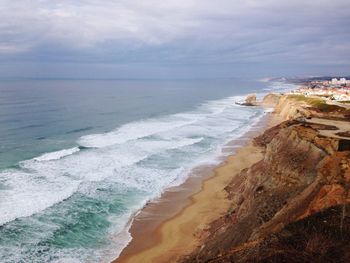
164,224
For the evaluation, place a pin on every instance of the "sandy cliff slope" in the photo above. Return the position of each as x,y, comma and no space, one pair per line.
291,206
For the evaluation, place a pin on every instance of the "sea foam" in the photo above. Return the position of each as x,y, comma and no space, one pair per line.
57,155
117,173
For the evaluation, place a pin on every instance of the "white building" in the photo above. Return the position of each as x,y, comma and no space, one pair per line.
341,81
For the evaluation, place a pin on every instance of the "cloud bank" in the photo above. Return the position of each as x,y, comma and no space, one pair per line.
250,35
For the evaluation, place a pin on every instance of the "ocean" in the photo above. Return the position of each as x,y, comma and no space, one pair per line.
78,158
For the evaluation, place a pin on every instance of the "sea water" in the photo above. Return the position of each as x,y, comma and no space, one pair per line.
78,158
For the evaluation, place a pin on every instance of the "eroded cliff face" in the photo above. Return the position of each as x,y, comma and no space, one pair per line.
302,173
271,100
290,108
296,106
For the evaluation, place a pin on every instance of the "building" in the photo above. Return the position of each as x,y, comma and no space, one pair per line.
341,81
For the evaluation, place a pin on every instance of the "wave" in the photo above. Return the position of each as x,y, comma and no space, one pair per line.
139,159
53,177
80,130
141,129
27,194
27,127
57,155
278,86
131,131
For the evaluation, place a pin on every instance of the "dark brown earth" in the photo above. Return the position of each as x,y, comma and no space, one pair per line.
290,206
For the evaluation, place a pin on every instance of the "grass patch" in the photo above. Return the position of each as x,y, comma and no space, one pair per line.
308,100
317,103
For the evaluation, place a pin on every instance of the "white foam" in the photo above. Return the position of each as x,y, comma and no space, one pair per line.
148,155
48,183
131,131
27,194
141,129
269,110
57,155
278,86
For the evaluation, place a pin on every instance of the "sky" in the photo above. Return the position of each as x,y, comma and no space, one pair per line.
173,38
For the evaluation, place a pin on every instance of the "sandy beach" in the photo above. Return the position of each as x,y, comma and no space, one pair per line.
171,227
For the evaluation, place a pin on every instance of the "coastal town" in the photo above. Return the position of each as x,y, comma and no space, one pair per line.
334,89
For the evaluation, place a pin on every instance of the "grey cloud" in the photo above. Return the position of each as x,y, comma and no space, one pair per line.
172,33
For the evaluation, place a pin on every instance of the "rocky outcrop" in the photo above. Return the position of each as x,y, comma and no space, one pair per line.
269,101
249,101
303,173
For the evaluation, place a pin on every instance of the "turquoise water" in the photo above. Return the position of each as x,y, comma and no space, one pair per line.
79,158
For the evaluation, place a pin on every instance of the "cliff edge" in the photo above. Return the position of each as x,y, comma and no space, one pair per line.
292,206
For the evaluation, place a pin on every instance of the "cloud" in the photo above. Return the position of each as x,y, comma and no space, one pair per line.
88,23
177,31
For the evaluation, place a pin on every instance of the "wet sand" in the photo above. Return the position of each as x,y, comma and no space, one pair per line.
170,227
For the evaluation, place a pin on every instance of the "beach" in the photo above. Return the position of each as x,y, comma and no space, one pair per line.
292,165
221,182
213,184
84,179
174,131
172,226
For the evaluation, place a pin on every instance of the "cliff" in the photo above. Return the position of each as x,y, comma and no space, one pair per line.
271,100
292,205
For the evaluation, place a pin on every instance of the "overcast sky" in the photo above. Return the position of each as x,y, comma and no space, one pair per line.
173,38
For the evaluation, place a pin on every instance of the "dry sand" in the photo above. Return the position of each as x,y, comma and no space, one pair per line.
171,227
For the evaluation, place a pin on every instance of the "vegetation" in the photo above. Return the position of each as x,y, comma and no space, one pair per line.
317,103
318,238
